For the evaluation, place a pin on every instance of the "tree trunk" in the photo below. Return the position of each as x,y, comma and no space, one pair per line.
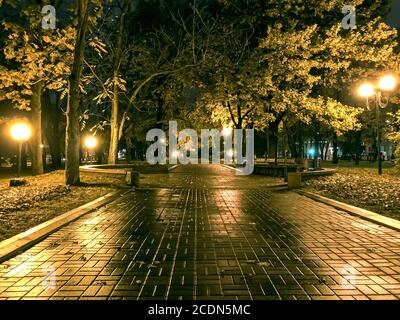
292,146
321,150
266,153
99,155
375,150
273,141
52,129
317,139
128,154
358,147
55,145
72,130
301,142
326,151
335,149
113,150
36,140
24,157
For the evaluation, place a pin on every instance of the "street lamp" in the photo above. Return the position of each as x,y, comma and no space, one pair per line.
366,90
20,132
387,83
380,92
90,143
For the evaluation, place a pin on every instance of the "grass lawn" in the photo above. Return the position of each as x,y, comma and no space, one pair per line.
361,186
45,197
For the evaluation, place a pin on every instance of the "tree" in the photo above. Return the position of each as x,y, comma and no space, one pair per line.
394,134
36,140
72,176
156,68
54,125
35,60
303,66
114,135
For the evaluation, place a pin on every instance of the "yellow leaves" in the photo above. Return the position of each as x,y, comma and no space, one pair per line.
288,41
9,53
58,84
339,117
6,78
98,46
34,58
82,88
18,101
298,60
46,39
121,83
61,68
26,92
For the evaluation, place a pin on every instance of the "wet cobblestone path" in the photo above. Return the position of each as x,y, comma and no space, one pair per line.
209,235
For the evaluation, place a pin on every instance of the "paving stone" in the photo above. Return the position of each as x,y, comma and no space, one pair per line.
204,233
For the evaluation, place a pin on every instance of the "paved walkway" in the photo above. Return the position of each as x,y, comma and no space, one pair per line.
193,241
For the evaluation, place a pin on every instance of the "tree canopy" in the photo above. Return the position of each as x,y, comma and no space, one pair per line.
272,65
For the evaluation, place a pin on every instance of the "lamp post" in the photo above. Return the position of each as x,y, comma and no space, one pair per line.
20,132
380,95
90,143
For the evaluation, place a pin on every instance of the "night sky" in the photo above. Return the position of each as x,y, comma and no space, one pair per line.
394,17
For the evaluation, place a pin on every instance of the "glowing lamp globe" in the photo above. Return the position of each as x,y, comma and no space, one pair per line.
366,90
387,83
91,142
20,132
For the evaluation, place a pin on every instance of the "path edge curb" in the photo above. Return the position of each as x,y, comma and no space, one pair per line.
353,210
173,167
22,241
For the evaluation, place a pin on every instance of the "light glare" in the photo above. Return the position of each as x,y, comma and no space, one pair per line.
387,83
226,131
91,142
366,90
20,132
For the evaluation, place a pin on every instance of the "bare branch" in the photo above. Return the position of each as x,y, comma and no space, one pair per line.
96,76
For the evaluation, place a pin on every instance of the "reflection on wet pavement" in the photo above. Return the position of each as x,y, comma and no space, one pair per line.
192,242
